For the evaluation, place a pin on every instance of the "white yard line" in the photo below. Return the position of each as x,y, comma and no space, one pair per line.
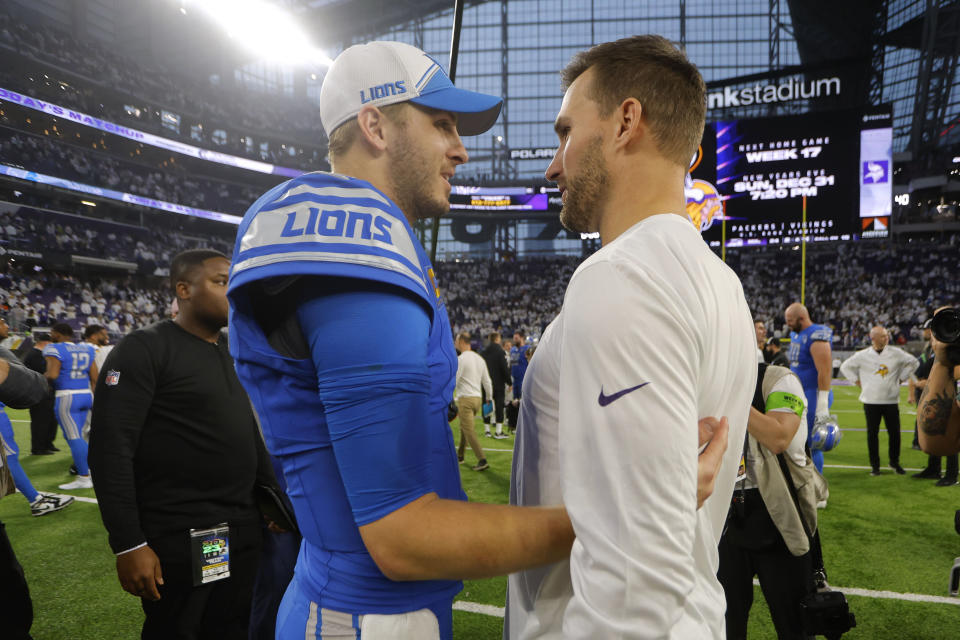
498,612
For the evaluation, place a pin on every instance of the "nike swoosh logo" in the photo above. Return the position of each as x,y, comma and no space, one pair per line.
605,400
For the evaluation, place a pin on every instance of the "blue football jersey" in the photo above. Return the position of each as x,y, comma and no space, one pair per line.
518,363
322,224
801,362
75,362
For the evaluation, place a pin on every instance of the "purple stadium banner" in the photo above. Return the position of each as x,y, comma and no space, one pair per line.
145,138
131,198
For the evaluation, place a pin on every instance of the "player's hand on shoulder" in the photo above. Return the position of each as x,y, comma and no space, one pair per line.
712,433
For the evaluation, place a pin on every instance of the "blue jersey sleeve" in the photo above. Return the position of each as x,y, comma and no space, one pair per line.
369,347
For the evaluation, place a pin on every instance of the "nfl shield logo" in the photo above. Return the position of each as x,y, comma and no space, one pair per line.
113,377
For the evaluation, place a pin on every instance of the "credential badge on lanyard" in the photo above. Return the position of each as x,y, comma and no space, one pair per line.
210,550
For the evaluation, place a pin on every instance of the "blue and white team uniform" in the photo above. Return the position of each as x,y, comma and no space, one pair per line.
73,398
356,415
20,479
518,367
801,363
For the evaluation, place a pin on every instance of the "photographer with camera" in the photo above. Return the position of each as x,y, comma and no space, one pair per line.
938,413
932,470
765,535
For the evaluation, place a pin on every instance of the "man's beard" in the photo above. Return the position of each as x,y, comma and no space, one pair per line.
587,192
410,185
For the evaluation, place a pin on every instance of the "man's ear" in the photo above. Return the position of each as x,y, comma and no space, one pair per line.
371,122
183,290
630,125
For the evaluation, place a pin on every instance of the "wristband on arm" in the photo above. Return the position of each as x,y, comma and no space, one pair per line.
823,403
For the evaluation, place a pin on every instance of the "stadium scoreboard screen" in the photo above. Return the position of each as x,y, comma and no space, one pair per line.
493,199
756,174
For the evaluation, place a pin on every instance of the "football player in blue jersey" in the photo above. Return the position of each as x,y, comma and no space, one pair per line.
518,361
73,374
812,360
40,503
342,340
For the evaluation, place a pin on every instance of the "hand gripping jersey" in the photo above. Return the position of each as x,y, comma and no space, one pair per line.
801,362
75,362
338,228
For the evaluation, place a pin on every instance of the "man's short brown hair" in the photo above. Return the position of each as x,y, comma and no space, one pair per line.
652,70
343,137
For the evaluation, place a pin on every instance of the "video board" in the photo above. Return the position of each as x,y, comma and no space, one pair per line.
756,173
498,198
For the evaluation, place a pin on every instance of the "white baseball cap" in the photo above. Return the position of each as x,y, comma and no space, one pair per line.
381,73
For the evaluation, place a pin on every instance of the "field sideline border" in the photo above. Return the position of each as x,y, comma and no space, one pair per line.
498,612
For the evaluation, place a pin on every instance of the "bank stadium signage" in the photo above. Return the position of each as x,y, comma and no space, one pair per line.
771,93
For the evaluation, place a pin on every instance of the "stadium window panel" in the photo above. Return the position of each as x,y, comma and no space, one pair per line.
170,120
219,136
196,132
576,11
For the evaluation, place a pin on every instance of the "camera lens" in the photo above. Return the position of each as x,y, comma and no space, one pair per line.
946,326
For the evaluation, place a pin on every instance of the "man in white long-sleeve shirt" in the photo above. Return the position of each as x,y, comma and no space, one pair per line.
471,375
878,370
654,331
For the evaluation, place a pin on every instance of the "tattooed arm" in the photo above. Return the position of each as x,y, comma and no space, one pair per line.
938,414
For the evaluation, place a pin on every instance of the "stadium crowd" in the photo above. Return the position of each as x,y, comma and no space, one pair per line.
232,108
40,299
40,231
171,184
861,285
855,286
483,296
868,285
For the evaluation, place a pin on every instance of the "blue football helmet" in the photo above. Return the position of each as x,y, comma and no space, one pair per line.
826,434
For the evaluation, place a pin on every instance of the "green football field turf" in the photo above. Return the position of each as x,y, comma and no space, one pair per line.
888,536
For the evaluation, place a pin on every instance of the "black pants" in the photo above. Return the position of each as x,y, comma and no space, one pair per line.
217,610
16,608
43,425
752,546
498,394
891,419
933,463
513,415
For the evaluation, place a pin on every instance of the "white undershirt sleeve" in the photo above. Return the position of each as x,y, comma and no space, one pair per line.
628,451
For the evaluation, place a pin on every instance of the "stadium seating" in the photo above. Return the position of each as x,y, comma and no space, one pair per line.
65,70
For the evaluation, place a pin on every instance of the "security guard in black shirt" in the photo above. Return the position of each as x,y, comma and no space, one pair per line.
176,456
